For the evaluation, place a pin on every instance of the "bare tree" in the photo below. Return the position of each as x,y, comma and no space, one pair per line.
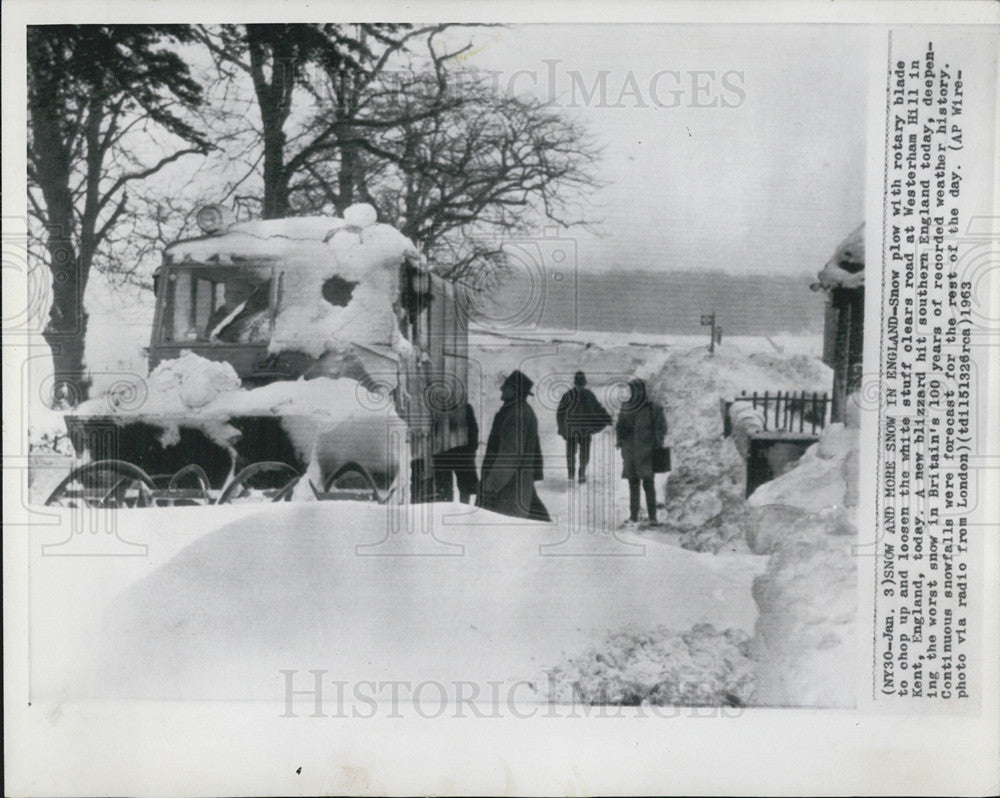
459,176
383,114
282,61
91,88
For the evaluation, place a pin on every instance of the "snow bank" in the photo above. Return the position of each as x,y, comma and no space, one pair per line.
704,498
804,640
288,587
662,667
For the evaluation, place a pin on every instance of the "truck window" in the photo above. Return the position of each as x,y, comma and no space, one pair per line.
243,314
216,305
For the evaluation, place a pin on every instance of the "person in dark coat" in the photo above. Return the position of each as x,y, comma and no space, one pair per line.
578,416
641,427
513,460
460,461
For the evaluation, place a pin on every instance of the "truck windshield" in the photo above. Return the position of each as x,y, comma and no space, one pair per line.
227,305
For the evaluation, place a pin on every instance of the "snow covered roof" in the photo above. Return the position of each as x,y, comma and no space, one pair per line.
297,227
274,239
265,239
846,269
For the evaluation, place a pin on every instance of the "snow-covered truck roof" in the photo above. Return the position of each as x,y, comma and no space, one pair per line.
275,239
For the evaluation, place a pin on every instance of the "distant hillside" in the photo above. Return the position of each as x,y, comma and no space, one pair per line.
664,302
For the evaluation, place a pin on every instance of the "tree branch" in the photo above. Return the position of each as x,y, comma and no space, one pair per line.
143,174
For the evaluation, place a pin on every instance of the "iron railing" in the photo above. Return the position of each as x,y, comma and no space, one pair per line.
791,411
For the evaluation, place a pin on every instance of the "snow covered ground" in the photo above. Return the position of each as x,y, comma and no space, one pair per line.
782,343
217,609
225,598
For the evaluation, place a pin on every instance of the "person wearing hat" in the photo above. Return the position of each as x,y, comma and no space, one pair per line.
513,460
641,428
578,416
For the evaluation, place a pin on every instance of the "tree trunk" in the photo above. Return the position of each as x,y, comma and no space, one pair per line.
275,205
66,329
346,177
65,335
274,98
67,326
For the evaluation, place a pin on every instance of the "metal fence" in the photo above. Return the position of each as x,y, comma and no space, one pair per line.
791,411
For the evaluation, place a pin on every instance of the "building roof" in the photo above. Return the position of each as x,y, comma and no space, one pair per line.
846,269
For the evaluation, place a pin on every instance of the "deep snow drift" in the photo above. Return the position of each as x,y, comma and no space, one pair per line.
705,491
284,587
805,638
302,586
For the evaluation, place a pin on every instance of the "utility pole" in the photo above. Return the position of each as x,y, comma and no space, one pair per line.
708,320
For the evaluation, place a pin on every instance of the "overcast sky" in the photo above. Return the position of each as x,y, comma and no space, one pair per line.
769,177
772,182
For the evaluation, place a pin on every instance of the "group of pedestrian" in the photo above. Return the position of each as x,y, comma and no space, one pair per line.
513,460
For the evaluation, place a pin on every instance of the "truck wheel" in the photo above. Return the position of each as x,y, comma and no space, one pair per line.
268,480
111,484
353,481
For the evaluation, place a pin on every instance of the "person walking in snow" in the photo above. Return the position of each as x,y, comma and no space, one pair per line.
578,416
460,461
513,460
641,428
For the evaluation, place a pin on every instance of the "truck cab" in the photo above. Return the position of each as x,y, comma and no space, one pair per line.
219,296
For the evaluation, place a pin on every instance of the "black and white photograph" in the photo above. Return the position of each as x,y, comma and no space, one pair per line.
378,389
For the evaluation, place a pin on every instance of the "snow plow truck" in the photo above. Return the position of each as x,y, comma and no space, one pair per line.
308,357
